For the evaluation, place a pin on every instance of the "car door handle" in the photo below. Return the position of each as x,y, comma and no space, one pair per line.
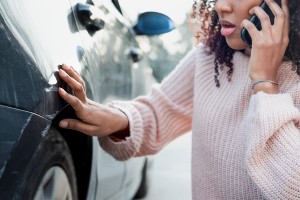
90,17
135,54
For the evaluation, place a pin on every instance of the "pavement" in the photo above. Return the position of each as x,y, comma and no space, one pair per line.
171,174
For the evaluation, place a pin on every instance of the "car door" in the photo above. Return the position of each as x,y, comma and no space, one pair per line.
36,37
105,51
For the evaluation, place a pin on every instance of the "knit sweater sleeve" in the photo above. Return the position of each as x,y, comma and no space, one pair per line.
273,145
161,116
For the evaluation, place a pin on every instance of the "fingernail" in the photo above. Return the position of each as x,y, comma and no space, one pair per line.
63,73
64,66
63,124
61,90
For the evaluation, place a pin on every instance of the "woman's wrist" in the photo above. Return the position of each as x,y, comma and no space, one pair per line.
266,86
123,130
120,135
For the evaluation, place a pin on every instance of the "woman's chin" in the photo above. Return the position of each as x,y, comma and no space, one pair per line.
236,44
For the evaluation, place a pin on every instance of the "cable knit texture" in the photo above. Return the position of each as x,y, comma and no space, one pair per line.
244,146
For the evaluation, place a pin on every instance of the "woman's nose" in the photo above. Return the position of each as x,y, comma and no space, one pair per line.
222,6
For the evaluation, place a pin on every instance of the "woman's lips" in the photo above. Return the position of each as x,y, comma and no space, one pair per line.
227,28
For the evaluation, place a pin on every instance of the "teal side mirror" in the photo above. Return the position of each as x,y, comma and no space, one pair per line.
153,23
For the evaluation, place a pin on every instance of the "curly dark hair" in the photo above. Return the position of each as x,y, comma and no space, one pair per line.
211,36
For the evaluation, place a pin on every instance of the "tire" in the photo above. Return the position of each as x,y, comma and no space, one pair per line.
51,173
143,188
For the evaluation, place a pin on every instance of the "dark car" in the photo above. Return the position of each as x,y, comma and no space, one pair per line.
38,160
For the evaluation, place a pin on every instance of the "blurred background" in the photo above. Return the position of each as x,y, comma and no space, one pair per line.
166,50
170,177
171,173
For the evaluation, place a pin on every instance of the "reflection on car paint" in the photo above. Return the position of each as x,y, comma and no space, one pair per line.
34,32
36,37
15,165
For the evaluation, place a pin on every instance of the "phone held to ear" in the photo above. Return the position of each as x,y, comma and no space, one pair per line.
255,20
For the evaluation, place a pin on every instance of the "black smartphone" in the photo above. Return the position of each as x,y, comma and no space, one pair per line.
255,20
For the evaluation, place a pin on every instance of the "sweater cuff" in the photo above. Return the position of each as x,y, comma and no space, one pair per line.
262,99
268,113
273,145
125,149
271,111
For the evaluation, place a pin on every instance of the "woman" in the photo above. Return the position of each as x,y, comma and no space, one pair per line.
241,104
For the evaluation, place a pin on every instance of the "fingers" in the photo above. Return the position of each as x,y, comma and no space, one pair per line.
275,8
281,21
74,74
250,27
72,100
80,126
76,86
279,13
285,9
279,31
263,17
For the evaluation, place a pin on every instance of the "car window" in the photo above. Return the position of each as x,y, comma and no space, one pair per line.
117,5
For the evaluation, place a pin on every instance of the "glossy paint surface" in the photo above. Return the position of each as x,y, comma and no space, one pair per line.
14,164
36,37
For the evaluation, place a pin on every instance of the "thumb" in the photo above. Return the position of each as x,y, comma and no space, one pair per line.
80,126
69,124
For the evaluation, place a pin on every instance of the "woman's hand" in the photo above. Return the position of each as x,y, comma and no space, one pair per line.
94,119
269,44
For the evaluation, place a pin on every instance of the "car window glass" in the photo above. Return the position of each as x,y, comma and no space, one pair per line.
117,5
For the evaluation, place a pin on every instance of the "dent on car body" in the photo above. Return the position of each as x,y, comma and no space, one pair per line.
10,133
36,37
26,107
18,79
23,37
15,154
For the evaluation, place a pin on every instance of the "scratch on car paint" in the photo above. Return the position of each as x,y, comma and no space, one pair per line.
3,168
52,88
45,131
2,27
18,139
52,116
43,134
24,127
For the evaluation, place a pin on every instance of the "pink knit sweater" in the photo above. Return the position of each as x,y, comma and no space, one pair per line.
244,146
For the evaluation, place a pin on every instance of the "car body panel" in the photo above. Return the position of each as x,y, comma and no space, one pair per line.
36,37
43,58
31,59
114,71
105,49
30,129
